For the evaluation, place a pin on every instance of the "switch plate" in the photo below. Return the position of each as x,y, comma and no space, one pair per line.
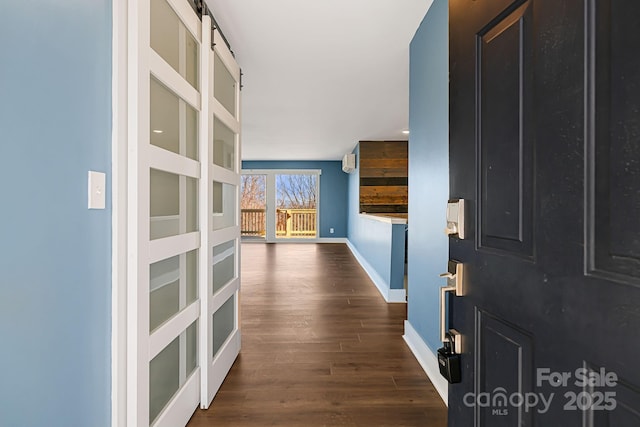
97,190
331,230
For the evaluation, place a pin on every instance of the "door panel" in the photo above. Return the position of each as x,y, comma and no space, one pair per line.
224,264
505,161
502,349
613,246
169,369
224,256
224,323
224,145
224,205
183,180
545,147
173,285
225,85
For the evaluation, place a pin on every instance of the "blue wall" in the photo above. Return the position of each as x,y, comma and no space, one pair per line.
333,191
380,244
55,254
428,170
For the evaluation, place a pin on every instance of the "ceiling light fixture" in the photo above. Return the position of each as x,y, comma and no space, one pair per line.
406,132
157,131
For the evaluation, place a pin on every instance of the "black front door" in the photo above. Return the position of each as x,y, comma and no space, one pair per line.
545,148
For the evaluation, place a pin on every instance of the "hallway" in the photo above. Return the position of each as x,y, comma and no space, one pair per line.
320,347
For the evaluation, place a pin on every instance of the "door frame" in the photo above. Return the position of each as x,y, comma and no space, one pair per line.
119,161
271,198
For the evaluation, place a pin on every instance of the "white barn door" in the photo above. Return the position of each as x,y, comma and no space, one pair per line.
183,167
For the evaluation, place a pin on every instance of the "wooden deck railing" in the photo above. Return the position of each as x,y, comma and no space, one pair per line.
296,223
253,222
289,222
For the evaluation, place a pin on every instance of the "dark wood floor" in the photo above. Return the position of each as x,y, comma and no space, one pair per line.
320,347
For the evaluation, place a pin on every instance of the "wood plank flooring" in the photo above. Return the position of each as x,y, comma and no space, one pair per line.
320,347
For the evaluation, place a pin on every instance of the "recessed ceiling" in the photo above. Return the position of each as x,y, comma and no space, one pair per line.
319,76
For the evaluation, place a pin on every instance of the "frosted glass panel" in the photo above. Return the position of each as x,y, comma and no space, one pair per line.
173,42
224,85
168,371
173,285
174,123
223,145
224,205
223,323
223,264
173,204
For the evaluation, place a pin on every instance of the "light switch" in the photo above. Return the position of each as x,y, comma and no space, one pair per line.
97,190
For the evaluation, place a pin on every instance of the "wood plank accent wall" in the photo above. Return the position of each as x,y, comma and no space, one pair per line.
384,174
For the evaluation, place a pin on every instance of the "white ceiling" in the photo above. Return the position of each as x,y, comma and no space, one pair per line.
320,75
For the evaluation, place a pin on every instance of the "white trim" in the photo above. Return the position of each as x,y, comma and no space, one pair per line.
271,201
168,161
118,186
168,247
223,361
397,295
332,240
224,235
381,218
389,295
294,240
342,240
187,16
172,80
218,368
138,215
205,207
222,114
180,408
223,294
318,202
427,359
224,176
220,47
271,215
172,328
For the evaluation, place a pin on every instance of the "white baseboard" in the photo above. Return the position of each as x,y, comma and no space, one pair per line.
332,240
427,359
396,295
389,295
318,240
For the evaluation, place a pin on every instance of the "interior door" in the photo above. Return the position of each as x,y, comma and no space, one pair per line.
183,177
164,159
545,148
221,331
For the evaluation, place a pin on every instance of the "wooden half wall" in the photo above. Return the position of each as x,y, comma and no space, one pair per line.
384,173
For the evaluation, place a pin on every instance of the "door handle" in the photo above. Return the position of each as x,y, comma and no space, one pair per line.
443,310
455,285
